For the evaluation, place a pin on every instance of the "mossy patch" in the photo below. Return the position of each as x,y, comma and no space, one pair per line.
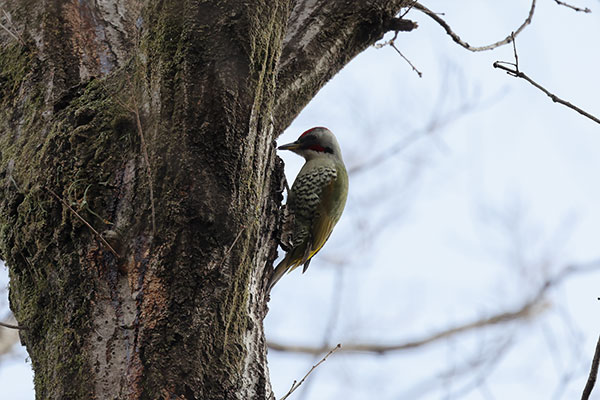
72,151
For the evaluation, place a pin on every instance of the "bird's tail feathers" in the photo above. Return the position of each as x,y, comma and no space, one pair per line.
288,264
279,271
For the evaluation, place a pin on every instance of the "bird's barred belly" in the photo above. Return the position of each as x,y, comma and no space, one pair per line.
308,187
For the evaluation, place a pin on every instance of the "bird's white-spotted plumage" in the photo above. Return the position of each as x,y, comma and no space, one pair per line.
305,197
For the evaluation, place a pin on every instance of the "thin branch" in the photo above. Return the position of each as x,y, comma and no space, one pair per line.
515,51
589,386
10,33
514,71
530,308
11,326
392,43
297,385
526,310
84,221
466,45
407,60
232,244
408,9
561,3
15,34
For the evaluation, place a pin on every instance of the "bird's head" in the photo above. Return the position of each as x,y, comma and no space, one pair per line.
314,143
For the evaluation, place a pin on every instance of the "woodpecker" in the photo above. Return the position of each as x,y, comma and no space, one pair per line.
317,197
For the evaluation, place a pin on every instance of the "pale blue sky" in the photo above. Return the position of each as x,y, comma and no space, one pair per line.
515,163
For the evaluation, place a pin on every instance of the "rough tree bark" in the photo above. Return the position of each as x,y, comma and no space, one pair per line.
138,248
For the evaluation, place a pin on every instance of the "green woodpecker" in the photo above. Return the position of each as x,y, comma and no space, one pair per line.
317,197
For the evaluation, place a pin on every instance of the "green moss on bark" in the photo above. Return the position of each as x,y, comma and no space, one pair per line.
15,62
73,151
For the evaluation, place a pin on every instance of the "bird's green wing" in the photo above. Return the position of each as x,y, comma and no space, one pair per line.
324,223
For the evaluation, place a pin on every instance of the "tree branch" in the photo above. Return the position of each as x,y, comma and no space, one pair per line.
527,310
297,385
578,9
589,386
534,306
392,44
15,35
512,69
94,231
466,45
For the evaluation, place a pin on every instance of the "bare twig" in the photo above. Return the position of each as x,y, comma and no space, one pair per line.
466,45
392,43
11,326
408,9
15,35
578,9
386,43
407,60
10,33
589,386
526,310
232,244
534,306
296,385
512,34
84,221
514,71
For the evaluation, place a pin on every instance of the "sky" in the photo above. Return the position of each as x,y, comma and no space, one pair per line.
464,222
481,189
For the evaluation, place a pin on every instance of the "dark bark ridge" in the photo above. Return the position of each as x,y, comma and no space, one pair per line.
177,311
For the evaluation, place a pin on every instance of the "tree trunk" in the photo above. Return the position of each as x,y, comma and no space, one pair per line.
141,189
